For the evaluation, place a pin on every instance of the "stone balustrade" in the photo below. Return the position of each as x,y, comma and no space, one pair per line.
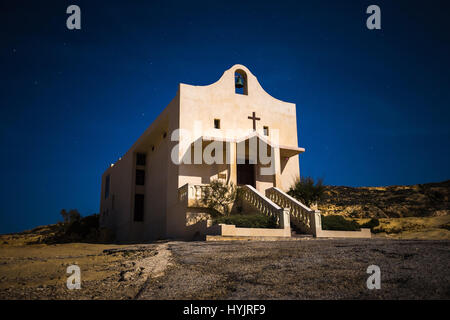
265,206
183,192
192,194
303,217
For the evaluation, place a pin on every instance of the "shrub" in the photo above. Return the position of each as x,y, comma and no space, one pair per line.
248,220
83,229
219,196
71,216
336,222
307,191
374,222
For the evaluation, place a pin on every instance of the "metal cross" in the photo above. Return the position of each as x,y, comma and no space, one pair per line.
254,118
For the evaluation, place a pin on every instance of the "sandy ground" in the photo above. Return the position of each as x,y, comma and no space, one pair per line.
107,271
306,269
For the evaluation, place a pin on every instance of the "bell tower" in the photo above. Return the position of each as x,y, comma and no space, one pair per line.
240,82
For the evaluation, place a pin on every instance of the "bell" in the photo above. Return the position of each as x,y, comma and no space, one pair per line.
239,82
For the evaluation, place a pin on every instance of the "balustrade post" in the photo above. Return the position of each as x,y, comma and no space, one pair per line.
316,222
285,221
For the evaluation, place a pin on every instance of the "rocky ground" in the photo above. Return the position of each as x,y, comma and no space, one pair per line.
421,200
306,269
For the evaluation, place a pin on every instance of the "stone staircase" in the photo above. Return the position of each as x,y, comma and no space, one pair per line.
304,219
296,219
290,212
266,206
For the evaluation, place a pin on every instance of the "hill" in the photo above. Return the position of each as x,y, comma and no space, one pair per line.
420,200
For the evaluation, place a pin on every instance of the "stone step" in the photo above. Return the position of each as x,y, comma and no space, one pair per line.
296,234
301,235
256,238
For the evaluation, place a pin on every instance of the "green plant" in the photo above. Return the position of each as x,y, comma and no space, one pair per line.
71,216
374,222
336,222
82,229
86,226
307,191
248,220
219,196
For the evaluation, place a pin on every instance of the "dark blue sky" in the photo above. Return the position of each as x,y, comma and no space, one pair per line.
372,106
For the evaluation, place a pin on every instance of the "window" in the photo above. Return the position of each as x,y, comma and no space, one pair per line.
240,82
216,123
107,182
140,159
138,207
140,177
266,130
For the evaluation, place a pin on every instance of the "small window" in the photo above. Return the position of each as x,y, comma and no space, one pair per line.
107,182
140,177
138,207
216,123
266,130
140,159
164,135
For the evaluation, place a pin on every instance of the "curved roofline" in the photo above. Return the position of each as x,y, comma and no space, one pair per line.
249,75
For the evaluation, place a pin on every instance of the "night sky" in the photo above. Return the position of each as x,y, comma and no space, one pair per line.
372,105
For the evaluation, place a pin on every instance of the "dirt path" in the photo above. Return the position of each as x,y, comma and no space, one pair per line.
154,266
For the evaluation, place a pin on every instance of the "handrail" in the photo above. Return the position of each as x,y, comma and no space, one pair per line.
192,193
300,213
265,205
183,192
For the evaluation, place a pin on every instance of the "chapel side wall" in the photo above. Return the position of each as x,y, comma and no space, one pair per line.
155,189
104,222
154,224
176,211
123,188
158,177
118,218
123,184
